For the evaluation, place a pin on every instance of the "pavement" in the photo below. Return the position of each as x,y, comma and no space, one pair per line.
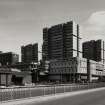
40,99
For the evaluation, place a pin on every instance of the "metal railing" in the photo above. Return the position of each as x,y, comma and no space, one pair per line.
18,93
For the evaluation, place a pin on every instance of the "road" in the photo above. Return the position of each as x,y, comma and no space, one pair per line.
19,93
93,98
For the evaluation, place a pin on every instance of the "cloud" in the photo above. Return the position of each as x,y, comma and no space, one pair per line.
94,26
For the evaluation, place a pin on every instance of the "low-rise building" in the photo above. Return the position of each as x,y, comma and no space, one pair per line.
21,77
43,69
24,66
76,70
5,77
10,76
72,70
95,69
21,73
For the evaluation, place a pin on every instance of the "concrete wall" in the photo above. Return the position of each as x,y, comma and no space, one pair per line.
5,79
27,79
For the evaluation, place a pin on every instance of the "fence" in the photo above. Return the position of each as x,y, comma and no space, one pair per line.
18,93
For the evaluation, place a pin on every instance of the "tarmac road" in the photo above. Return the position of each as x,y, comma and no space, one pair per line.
19,93
91,98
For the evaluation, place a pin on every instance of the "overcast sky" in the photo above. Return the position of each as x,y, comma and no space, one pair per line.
22,21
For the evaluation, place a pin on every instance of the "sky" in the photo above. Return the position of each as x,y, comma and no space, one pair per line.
22,21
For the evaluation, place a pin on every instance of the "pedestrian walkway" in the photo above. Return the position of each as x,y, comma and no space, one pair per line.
38,99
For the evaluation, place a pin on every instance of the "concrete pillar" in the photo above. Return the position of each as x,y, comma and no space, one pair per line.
0,79
77,40
89,75
6,79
